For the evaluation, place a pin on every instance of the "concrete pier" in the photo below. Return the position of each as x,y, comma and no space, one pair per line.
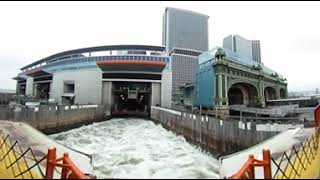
54,119
220,137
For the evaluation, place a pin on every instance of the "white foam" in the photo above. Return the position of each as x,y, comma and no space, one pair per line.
135,148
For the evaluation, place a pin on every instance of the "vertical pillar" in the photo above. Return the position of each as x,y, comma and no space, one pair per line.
155,94
216,91
64,171
220,89
18,89
29,86
51,158
267,164
226,90
50,91
261,94
278,93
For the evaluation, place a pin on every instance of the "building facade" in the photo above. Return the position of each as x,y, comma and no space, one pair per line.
246,49
185,29
185,36
256,53
125,77
224,79
184,64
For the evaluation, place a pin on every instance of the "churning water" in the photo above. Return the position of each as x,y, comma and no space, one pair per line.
137,148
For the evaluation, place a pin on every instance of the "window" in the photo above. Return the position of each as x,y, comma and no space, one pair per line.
69,87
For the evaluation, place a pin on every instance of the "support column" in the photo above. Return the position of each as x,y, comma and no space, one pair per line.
278,93
216,91
220,89
29,86
18,89
226,90
261,94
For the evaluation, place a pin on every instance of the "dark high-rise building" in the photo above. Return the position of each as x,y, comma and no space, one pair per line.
185,36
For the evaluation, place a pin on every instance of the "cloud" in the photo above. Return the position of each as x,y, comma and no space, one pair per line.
288,31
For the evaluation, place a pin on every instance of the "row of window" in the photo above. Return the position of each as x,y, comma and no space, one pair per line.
186,52
108,58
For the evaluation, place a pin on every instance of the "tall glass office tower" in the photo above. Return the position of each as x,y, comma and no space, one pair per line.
247,49
185,36
185,29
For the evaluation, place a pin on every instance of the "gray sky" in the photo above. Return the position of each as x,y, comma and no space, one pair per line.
289,32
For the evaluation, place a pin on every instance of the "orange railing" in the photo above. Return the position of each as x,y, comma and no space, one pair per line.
248,170
69,170
317,116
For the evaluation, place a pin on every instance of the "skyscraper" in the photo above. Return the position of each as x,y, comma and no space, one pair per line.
185,36
256,54
247,49
185,29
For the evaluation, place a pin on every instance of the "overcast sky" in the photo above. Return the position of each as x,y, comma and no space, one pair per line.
289,32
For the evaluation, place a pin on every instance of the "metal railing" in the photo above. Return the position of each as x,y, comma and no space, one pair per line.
298,159
248,170
291,164
317,116
68,169
23,163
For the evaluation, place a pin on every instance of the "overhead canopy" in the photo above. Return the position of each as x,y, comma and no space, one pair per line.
96,49
37,73
18,78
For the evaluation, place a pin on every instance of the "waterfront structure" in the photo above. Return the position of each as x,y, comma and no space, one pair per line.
224,79
135,77
125,77
185,36
247,50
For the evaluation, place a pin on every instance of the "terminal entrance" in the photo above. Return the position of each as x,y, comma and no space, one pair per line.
131,98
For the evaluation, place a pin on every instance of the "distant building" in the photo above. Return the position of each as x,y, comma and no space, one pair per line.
256,53
184,29
127,78
185,36
246,49
295,94
224,79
